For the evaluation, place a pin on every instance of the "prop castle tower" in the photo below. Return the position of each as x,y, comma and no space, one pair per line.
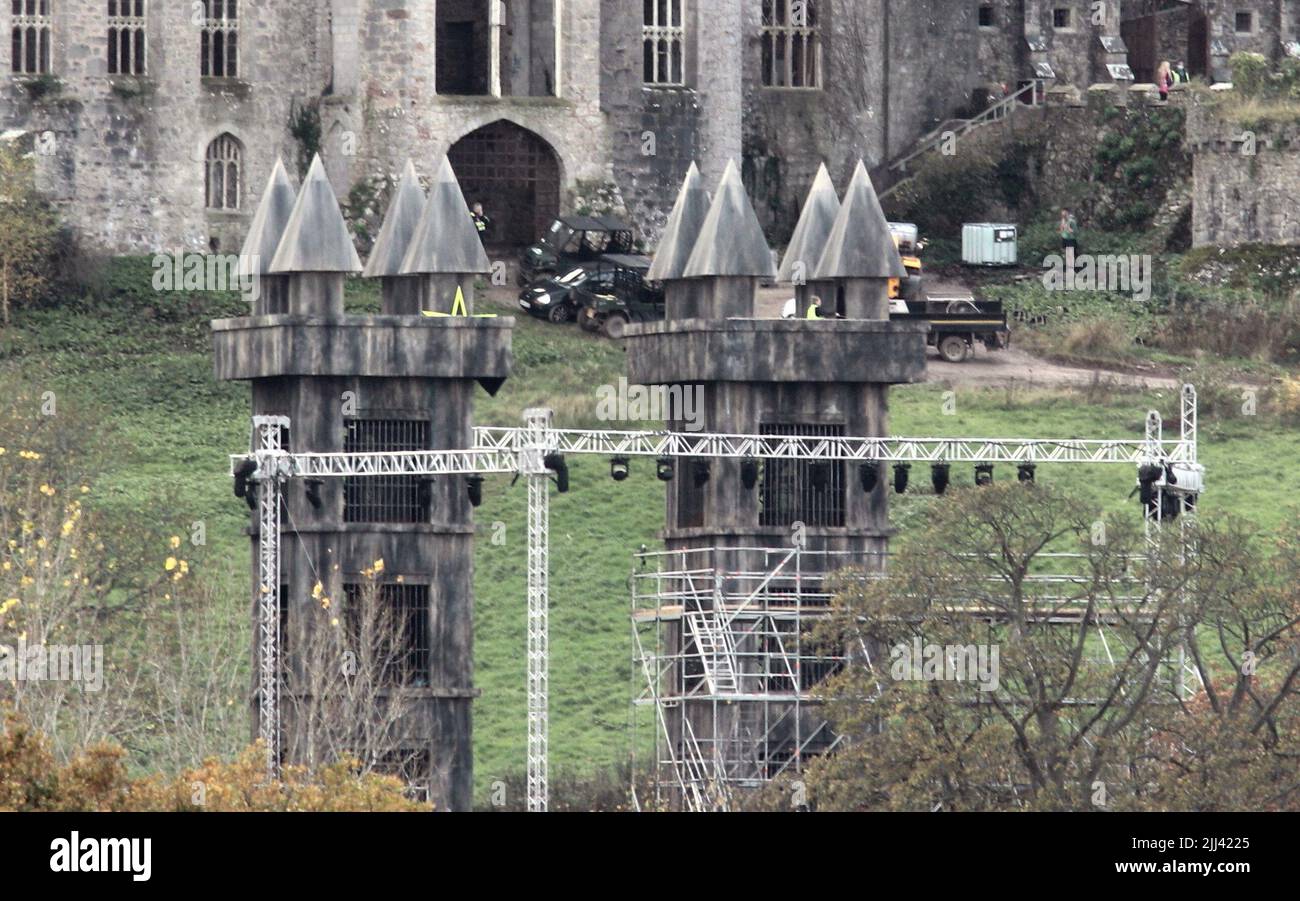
749,542
397,381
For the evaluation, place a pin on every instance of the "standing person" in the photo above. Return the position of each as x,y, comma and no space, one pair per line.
1164,79
1069,228
815,309
1181,75
481,221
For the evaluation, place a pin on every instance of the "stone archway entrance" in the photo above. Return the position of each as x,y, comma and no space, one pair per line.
515,175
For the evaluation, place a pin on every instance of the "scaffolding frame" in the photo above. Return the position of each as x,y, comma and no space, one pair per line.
525,451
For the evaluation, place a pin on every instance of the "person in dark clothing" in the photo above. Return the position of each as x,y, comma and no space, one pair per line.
481,221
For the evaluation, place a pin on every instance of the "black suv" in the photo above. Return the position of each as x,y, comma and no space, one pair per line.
628,297
553,298
572,240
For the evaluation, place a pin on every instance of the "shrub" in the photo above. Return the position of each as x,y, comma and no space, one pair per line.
1250,74
1101,337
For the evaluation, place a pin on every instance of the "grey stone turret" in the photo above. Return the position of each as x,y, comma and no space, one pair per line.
401,293
861,256
264,234
445,240
682,230
316,238
730,257
820,210
731,242
400,223
860,244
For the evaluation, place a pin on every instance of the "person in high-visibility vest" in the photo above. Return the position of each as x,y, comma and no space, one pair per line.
815,309
481,221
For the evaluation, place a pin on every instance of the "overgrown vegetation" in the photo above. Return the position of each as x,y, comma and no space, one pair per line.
1001,169
305,128
96,778
1262,94
29,233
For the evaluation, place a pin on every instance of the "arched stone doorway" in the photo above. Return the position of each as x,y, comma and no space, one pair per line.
515,175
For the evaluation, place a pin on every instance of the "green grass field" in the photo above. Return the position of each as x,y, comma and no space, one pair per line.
162,429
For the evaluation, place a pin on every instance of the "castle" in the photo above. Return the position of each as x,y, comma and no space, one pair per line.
154,121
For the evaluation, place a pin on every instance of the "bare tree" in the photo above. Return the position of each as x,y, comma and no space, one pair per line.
349,670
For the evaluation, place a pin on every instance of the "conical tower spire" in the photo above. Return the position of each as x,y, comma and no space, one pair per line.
316,238
445,240
731,242
683,229
269,221
860,244
400,222
820,210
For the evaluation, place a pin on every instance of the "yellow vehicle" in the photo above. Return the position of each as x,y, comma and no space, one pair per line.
909,247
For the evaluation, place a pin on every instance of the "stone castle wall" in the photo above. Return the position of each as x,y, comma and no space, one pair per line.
127,160
1239,197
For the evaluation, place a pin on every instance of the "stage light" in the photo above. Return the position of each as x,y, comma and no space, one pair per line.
940,476
1148,475
1025,472
664,469
902,472
819,474
749,473
869,476
313,492
700,472
984,474
555,463
618,469
243,473
475,485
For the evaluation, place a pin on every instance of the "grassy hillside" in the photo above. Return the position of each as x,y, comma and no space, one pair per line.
138,367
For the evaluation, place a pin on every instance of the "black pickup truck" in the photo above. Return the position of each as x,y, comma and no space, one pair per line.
956,323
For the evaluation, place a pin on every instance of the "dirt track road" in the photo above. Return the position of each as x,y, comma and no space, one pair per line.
994,369
1012,366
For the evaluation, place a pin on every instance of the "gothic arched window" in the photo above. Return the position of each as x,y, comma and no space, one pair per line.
223,173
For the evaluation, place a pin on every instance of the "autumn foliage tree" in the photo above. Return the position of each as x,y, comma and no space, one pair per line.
96,779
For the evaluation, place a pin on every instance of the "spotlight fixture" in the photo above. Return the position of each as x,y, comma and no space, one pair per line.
475,485
1170,505
618,469
902,472
664,469
939,477
984,474
556,464
1148,475
1025,473
700,472
749,473
313,492
869,476
243,473
819,474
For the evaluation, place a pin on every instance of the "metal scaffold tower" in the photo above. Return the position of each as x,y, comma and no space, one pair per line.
739,641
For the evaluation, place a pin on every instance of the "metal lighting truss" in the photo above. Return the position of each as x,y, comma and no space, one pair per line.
525,450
